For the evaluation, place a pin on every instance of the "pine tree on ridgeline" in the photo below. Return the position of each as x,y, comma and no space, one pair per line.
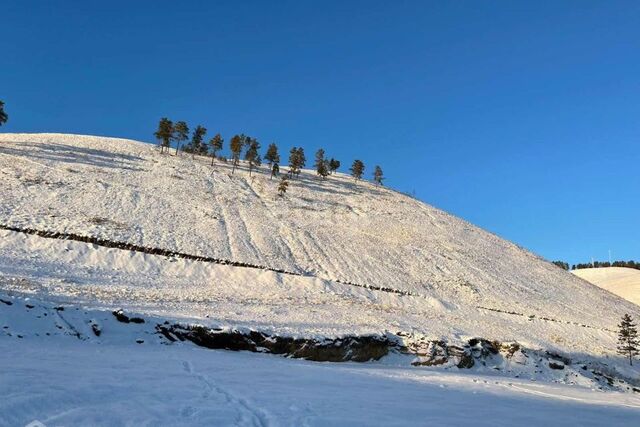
252,155
321,164
297,161
357,169
3,115
235,144
196,140
302,160
246,141
181,131
216,145
333,165
283,185
273,158
293,161
164,134
377,175
628,344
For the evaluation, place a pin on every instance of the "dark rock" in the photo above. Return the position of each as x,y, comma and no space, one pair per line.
466,361
556,356
6,302
354,348
553,364
96,329
121,317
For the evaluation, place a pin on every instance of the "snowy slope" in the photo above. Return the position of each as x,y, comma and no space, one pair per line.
622,281
463,281
357,259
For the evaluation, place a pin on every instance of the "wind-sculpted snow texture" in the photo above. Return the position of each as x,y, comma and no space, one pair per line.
462,281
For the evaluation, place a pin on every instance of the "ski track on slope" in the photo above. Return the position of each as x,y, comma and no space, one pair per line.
224,218
282,248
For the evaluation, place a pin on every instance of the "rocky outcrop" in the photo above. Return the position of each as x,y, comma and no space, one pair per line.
433,353
349,348
121,317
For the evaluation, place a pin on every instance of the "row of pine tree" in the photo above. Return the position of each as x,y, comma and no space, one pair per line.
598,264
169,132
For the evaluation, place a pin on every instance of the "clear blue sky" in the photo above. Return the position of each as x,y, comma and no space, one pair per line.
521,117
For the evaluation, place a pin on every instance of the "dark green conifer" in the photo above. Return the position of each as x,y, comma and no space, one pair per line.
628,344
252,155
216,145
357,169
3,115
333,165
181,131
377,175
197,147
165,133
282,187
235,145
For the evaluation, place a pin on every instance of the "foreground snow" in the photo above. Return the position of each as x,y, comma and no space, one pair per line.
622,281
72,383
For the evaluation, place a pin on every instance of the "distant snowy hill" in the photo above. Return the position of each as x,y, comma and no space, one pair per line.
622,281
462,281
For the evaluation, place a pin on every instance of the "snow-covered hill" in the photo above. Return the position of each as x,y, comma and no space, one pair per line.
463,281
622,281
92,224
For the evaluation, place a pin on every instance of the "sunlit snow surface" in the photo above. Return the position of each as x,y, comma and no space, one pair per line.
622,281
71,383
464,282
125,190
